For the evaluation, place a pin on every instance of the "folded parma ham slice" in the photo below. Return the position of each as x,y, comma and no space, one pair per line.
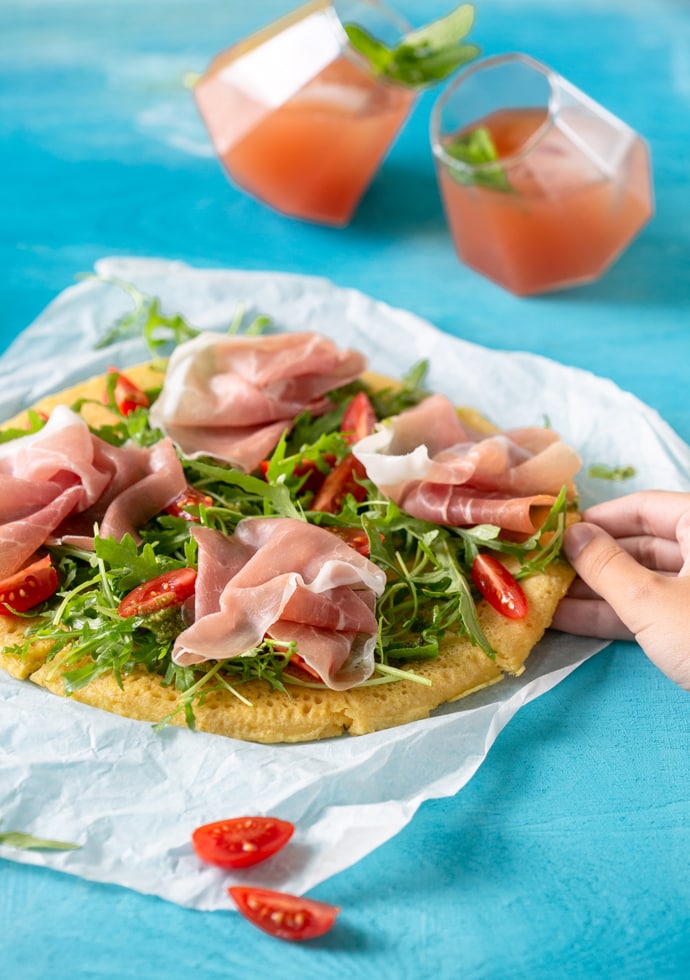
233,397
57,483
290,581
440,470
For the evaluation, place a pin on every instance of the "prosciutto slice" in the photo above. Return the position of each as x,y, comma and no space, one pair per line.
56,483
285,579
232,397
438,470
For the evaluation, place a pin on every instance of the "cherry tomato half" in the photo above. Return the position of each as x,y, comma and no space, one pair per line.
359,419
28,587
301,669
284,916
499,587
241,841
127,395
190,497
170,589
340,481
356,537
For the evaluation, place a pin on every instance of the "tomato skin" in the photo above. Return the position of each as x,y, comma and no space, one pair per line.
170,589
499,587
28,587
299,668
284,916
356,537
359,419
241,841
190,497
340,481
127,395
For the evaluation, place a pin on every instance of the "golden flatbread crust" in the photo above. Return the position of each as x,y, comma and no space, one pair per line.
299,714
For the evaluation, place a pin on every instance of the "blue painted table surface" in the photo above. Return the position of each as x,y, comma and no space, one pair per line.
568,853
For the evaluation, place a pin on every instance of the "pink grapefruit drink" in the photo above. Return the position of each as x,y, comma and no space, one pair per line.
298,119
571,191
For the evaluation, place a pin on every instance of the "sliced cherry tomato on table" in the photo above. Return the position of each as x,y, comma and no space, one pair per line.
28,587
127,395
359,419
170,589
241,842
340,481
284,916
190,497
500,589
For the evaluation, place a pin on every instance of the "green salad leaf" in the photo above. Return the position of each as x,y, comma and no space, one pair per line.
27,842
601,471
160,331
423,56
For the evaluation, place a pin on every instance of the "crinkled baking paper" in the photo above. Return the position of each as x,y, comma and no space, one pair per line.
131,797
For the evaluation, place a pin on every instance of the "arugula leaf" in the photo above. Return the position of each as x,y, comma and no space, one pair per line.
275,498
394,400
147,320
477,149
130,565
600,471
161,332
27,842
426,55
35,423
534,554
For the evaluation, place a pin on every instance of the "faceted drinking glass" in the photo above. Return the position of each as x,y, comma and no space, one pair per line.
297,117
541,186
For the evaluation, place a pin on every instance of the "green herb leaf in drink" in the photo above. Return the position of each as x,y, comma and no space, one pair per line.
477,149
423,56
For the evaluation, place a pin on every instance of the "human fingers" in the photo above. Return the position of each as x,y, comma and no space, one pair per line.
657,553
612,573
589,617
650,512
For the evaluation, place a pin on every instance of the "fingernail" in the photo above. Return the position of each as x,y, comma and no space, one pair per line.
576,538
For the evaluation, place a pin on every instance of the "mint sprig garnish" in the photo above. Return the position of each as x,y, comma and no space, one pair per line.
423,56
477,149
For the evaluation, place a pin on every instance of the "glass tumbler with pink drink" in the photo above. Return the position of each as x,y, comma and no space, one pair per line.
542,187
302,113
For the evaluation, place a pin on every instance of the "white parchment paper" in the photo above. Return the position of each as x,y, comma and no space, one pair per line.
131,798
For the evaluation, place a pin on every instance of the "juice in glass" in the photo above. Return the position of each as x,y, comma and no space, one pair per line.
570,187
298,118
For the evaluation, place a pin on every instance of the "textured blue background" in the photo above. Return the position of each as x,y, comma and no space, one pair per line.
567,854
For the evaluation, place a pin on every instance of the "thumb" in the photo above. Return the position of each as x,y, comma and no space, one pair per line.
610,571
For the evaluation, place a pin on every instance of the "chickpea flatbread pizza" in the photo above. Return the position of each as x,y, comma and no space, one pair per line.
260,539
